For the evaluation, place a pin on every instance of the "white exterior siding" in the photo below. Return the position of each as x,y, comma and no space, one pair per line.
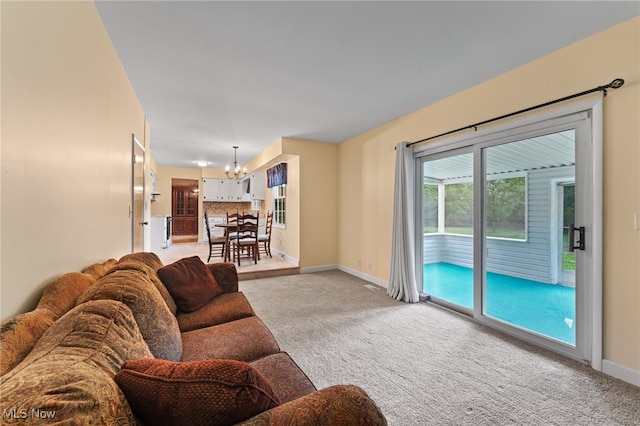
524,259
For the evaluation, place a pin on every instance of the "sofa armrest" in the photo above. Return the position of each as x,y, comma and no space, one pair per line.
344,405
226,275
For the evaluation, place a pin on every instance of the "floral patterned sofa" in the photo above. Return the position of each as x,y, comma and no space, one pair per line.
132,341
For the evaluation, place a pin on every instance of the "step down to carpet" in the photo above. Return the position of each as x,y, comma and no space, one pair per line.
268,273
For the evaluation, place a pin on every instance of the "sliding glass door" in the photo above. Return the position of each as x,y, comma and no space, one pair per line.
448,229
503,220
520,288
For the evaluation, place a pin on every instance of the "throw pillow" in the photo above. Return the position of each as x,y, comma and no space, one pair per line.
213,391
190,282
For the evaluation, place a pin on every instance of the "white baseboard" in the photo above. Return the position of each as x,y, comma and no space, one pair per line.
286,257
621,372
356,273
322,268
366,277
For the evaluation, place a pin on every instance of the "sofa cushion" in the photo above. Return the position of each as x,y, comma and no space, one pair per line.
157,324
224,308
220,392
152,275
246,339
344,405
69,373
148,258
190,283
19,334
226,275
287,380
61,295
98,270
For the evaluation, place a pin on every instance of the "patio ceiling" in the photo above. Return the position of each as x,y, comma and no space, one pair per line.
541,152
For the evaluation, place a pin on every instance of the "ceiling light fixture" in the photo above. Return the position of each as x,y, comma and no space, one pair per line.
236,173
202,163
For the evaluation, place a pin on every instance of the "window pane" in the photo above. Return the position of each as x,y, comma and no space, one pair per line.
448,259
279,204
430,208
568,208
505,208
458,208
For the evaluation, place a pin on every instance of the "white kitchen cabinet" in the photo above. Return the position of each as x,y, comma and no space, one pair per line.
224,189
235,190
211,189
154,186
257,184
221,189
216,231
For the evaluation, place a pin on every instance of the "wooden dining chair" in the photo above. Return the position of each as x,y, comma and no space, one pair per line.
265,239
217,245
230,233
245,243
232,217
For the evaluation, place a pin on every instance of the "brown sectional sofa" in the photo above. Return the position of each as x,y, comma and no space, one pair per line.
97,340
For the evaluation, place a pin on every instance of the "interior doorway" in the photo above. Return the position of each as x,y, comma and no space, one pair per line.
184,210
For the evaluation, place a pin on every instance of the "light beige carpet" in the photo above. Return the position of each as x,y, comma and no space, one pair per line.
427,366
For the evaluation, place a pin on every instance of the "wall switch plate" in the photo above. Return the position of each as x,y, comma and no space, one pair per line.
636,217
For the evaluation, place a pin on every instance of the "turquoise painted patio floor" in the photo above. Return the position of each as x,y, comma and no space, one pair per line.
543,308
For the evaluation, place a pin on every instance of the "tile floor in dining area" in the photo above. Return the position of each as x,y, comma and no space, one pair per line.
266,266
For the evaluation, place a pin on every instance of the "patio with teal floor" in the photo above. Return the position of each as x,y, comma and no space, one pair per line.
547,309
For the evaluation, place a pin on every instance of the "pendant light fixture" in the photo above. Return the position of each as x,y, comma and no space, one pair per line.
237,172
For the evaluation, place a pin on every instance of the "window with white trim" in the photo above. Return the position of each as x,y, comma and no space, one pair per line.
448,206
279,204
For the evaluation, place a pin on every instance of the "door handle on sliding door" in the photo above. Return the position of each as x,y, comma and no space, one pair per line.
572,243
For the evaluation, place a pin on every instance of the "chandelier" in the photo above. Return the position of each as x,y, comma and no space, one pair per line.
236,173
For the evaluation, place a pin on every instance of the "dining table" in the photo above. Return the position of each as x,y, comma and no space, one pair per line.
228,227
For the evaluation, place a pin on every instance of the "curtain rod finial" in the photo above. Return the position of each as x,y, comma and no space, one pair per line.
617,83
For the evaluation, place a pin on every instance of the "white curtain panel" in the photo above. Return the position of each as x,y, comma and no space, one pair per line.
402,280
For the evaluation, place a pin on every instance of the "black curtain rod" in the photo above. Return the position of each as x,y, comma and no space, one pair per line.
615,84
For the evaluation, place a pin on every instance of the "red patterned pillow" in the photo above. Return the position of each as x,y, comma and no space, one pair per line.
190,283
213,391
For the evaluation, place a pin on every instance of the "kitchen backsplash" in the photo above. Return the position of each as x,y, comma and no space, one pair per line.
221,208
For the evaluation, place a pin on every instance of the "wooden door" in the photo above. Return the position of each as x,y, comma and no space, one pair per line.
184,206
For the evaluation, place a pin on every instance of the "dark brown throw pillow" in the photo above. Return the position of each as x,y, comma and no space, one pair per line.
190,283
208,392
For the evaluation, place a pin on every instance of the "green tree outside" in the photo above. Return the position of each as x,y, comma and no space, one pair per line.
505,202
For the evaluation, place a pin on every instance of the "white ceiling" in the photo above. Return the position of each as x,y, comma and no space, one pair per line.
210,74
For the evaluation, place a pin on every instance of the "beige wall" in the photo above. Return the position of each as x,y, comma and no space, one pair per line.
316,194
366,166
165,175
68,112
310,235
